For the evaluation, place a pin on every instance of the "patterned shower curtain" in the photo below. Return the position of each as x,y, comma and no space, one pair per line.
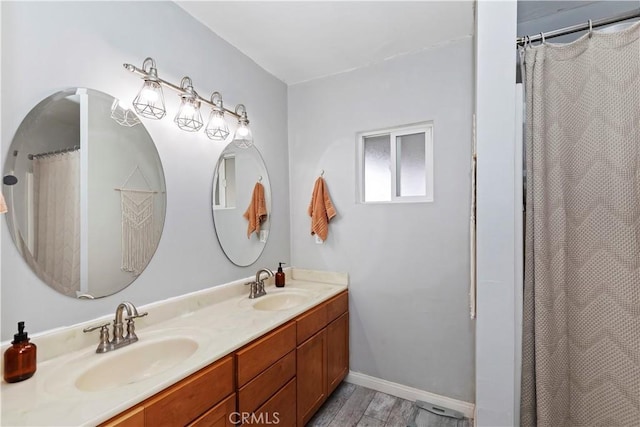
56,252
581,338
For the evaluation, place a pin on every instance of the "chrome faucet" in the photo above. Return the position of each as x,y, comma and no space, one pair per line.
118,339
257,288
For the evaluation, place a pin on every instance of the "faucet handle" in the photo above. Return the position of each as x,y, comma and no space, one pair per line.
93,328
135,316
104,345
253,286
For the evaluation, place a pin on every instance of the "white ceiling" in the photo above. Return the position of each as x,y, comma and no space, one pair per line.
305,40
297,41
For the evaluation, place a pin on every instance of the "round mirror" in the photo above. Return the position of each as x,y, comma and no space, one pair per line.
241,204
86,193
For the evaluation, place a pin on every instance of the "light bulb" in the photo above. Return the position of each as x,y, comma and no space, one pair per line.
188,109
188,117
149,94
150,101
217,128
243,130
242,138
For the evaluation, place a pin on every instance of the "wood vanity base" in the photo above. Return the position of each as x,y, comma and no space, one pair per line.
281,378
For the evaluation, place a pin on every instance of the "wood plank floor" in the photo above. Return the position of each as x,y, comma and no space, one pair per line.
355,406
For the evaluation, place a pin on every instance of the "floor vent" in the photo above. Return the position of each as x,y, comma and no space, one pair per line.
426,414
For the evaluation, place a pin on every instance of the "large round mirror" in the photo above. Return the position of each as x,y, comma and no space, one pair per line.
241,204
86,193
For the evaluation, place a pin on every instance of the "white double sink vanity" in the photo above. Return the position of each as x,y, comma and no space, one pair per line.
218,327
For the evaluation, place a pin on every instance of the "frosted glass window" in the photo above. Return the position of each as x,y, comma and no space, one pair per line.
377,173
410,165
396,165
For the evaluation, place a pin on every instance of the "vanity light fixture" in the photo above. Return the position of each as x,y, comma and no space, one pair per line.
242,138
150,104
150,100
217,128
188,117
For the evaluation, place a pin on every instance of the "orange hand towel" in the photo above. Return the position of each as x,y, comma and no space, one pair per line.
256,213
3,205
321,210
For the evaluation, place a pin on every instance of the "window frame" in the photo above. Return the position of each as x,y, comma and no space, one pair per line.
394,132
220,182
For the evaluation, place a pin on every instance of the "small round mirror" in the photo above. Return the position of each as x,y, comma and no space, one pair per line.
86,193
241,203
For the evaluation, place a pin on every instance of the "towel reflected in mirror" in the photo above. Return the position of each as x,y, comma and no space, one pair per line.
256,213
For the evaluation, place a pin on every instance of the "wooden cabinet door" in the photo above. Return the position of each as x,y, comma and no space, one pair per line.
311,376
337,351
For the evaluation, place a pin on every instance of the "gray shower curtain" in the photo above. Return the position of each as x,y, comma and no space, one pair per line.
56,252
581,337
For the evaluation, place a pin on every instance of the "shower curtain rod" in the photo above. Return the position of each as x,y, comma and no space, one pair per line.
63,150
580,27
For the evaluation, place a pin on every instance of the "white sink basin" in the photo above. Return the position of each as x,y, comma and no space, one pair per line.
281,301
136,362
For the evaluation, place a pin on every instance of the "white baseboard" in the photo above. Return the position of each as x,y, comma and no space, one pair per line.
410,393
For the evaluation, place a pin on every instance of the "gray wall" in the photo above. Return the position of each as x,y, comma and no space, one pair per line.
408,263
50,46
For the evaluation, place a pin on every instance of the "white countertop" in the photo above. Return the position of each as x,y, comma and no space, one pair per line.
220,319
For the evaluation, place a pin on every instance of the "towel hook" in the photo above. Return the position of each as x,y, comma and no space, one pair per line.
542,37
321,172
260,178
590,28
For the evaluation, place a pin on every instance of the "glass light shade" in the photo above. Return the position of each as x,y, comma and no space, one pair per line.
150,101
123,115
217,128
243,138
189,117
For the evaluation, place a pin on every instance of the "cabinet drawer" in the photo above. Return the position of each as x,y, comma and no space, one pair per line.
280,410
187,400
221,415
337,306
311,322
264,352
131,418
265,385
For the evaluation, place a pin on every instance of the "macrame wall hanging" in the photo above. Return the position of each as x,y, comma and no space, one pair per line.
138,237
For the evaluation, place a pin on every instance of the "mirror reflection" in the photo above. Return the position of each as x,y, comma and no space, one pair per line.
86,193
241,203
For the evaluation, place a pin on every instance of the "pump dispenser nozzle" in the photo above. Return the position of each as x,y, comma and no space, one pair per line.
21,335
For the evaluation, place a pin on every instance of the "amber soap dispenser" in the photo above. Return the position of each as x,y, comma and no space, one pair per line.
20,358
280,276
